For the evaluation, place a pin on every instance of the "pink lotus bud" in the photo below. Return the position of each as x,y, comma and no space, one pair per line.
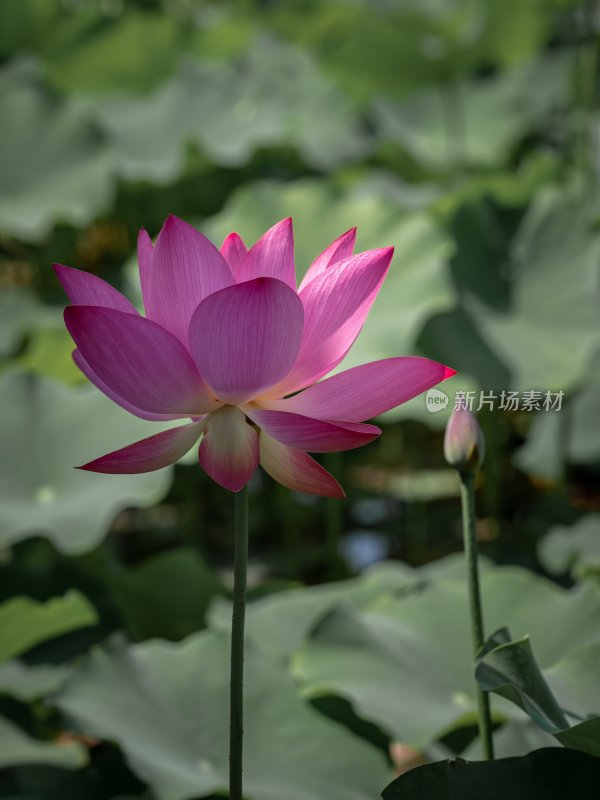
464,445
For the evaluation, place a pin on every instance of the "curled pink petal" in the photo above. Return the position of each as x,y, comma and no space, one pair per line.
296,469
85,289
314,435
149,454
245,338
116,398
368,390
145,253
338,250
229,450
234,251
272,256
336,304
138,360
186,268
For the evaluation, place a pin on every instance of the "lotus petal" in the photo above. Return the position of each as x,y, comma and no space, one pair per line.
314,435
149,454
296,469
366,391
84,289
245,338
138,360
338,250
229,449
186,268
272,256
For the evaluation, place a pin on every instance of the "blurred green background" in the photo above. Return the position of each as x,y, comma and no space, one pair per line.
463,132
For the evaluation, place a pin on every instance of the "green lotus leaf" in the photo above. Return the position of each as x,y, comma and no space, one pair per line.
47,429
62,176
25,622
548,773
270,95
574,548
565,702
550,333
166,706
475,123
17,748
406,665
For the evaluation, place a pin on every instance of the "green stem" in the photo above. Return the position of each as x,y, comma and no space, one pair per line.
467,481
236,696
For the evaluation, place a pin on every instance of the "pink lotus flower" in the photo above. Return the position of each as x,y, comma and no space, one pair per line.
227,340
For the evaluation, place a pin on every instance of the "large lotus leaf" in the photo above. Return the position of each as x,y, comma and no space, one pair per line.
407,665
55,166
570,435
547,773
574,682
477,122
574,548
25,27
16,748
29,683
49,352
583,425
167,707
513,739
542,454
22,22
271,95
19,310
25,622
167,596
517,598
47,429
551,331
279,623
510,669
375,48
133,51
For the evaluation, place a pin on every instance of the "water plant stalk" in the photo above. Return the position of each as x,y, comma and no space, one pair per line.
467,491
236,696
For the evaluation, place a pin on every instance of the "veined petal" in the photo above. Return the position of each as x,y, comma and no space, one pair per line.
368,390
138,360
229,449
296,469
272,256
116,398
336,304
149,454
186,268
234,251
338,250
85,289
245,338
145,254
314,435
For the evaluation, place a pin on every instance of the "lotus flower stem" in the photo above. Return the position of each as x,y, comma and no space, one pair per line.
236,697
467,490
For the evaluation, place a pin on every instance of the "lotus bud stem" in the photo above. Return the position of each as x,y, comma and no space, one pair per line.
464,450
